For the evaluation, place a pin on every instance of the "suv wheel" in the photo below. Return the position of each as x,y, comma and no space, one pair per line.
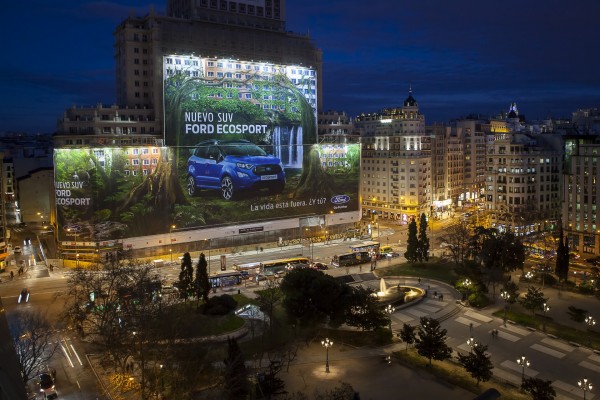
191,186
227,189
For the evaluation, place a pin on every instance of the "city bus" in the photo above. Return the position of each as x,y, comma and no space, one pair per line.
225,278
274,266
271,267
355,258
365,246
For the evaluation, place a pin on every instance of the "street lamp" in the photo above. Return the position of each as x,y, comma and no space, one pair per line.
390,310
327,344
171,241
590,322
471,343
524,363
506,296
209,248
77,260
545,309
584,385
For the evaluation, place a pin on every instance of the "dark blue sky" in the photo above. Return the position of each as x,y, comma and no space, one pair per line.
460,56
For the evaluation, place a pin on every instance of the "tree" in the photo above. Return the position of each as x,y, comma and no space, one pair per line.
533,300
269,384
431,340
562,256
423,240
202,284
236,374
412,242
33,342
363,310
268,298
477,363
456,240
539,389
310,295
407,334
186,276
110,303
512,289
502,253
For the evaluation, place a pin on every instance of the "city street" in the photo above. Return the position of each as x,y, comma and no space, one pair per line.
550,359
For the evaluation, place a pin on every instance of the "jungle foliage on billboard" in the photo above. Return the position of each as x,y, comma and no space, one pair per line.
111,193
212,98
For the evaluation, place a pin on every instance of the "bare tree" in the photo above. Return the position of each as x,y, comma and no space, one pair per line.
456,241
32,337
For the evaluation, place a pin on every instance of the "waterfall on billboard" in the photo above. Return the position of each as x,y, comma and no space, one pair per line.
290,136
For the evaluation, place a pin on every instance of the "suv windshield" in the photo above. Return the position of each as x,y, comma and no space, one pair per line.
242,149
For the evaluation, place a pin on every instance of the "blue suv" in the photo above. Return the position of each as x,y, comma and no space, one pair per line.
232,166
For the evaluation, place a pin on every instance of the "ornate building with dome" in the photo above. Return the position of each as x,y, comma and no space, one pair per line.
395,162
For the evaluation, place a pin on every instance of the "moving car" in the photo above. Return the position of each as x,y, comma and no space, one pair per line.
46,382
232,166
320,266
24,296
17,249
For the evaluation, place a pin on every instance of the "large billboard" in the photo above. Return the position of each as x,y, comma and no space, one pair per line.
110,193
214,98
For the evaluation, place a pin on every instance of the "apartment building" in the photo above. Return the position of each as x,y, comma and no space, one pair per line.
336,127
522,185
580,193
395,162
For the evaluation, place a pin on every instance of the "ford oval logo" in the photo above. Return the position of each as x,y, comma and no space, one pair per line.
340,199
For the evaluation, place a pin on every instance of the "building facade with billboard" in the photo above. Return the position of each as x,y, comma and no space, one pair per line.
213,142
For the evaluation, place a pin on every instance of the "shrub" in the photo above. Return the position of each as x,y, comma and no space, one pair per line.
478,300
220,305
382,336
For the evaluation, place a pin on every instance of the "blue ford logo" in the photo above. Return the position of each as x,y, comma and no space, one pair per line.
340,199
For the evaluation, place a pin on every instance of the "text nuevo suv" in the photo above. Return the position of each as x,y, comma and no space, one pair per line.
232,166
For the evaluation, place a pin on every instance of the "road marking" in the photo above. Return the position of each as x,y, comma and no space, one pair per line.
548,350
403,318
465,347
516,367
67,355
559,345
76,355
466,321
589,365
428,308
594,357
478,316
569,389
417,312
507,376
516,329
508,336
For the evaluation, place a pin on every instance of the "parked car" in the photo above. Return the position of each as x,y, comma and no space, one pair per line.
24,296
232,166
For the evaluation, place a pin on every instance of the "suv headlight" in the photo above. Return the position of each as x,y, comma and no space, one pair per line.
244,165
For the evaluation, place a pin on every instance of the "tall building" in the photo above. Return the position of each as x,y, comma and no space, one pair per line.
336,127
581,193
522,187
242,53
395,162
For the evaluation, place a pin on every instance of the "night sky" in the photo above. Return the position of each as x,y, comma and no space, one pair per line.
459,57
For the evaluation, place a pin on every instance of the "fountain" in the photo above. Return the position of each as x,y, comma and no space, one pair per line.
397,295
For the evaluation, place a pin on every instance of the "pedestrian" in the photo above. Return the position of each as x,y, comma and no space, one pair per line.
435,294
12,274
419,280
441,297
425,292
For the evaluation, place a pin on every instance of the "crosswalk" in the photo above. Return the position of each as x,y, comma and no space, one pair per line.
510,371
